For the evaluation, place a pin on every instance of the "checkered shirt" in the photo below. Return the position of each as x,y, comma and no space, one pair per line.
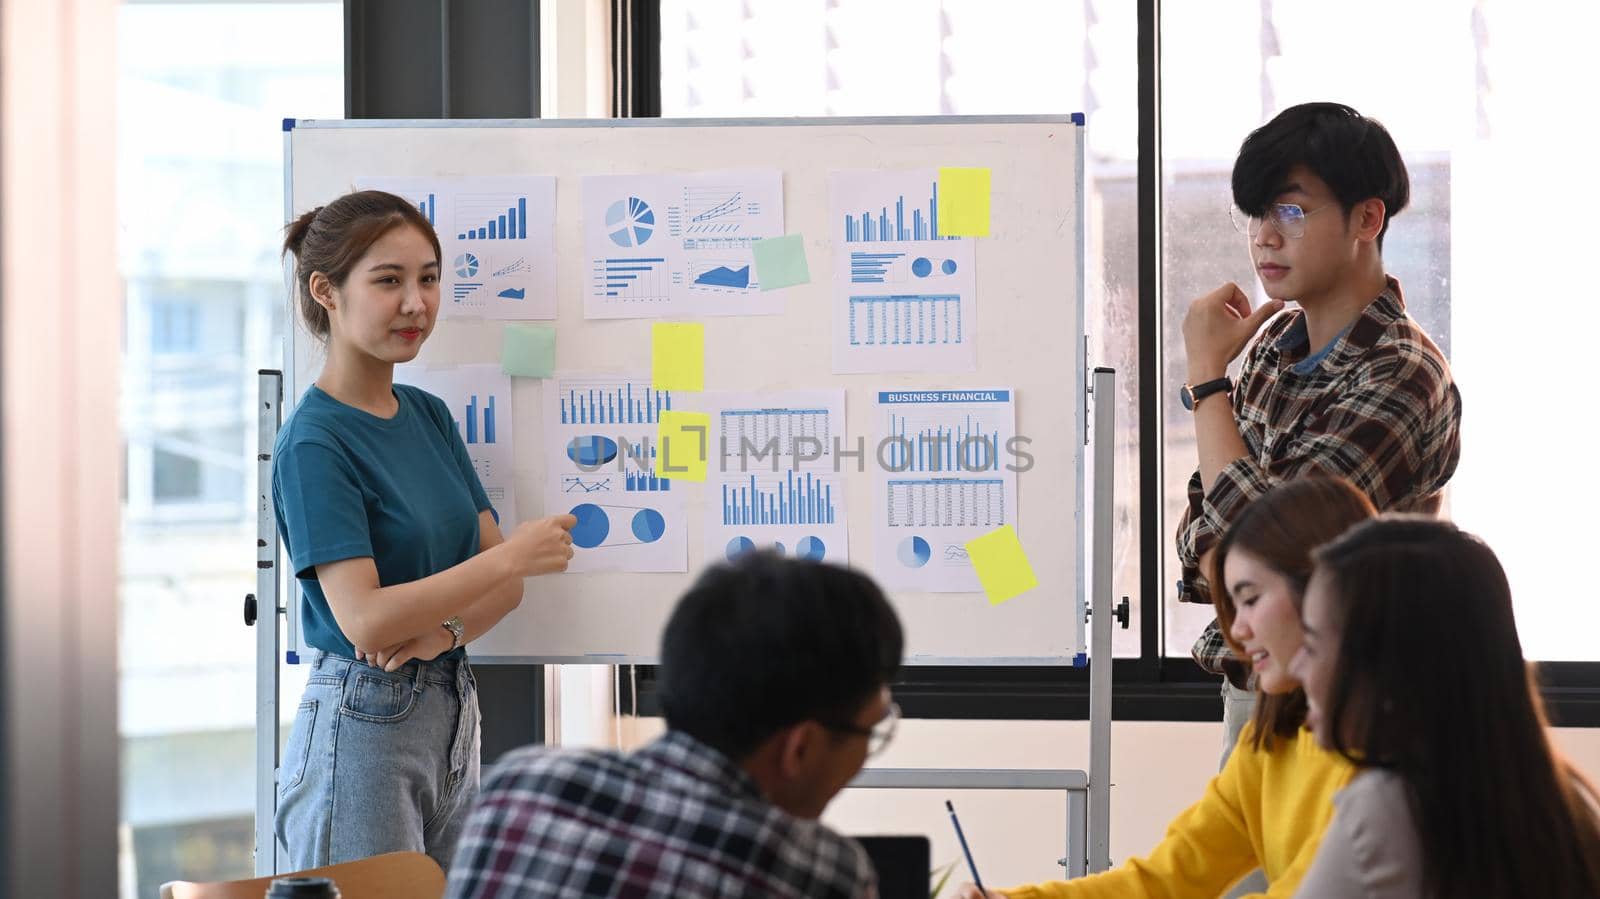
1381,410
674,819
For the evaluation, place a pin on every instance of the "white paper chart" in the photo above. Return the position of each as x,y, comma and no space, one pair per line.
773,483
497,237
905,296
674,245
600,448
479,399
944,475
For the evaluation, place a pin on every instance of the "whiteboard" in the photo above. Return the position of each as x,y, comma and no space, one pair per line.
1030,309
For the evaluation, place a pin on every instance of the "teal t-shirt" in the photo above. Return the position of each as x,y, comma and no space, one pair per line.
348,484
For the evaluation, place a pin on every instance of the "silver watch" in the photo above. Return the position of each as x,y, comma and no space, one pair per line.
457,631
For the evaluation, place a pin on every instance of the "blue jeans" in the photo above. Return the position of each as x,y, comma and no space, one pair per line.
379,761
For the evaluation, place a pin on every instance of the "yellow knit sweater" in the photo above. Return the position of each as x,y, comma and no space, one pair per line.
1266,809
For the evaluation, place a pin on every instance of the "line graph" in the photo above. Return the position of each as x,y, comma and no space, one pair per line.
717,209
581,484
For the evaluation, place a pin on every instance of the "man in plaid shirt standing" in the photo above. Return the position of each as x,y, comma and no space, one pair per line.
773,679
1347,384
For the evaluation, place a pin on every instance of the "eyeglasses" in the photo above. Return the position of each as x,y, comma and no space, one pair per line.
1287,219
878,735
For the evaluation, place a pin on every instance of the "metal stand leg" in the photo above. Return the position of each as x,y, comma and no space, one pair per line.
1104,388
261,610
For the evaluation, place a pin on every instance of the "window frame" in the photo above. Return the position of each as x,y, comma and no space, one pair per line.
1152,687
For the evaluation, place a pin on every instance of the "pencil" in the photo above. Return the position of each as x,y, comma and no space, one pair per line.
971,866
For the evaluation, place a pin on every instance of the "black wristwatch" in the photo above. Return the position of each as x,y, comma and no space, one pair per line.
1192,396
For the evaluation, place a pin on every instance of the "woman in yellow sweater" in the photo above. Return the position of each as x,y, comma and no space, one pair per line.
1269,805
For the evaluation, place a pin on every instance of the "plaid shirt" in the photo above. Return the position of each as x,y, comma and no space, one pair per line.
1381,410
676,818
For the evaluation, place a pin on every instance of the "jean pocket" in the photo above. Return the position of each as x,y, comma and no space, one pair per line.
379,697
297,753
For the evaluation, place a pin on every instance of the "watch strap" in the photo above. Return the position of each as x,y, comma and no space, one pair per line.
1204,389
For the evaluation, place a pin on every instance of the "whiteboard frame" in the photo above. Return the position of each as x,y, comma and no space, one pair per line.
1080,378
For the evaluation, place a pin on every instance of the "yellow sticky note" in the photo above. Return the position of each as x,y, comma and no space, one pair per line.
683,440
963,202
678,356
1001,564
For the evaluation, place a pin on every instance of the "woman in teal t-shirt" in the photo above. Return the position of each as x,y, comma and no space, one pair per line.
395,548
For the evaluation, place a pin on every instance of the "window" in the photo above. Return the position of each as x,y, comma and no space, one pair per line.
203,88
956,57
174,327
1478,97
1474,96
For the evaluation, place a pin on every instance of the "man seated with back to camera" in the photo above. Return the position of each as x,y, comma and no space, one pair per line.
774,684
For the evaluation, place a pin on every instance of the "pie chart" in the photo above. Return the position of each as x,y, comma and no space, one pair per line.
738,546
466,265
914,552
592,526
810,548
648,526
591,451
629,222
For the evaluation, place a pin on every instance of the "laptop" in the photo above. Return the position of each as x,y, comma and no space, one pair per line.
902,863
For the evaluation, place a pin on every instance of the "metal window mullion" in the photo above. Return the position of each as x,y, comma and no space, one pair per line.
1152,606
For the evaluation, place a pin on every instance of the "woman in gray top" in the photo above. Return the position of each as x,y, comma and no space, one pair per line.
1413,670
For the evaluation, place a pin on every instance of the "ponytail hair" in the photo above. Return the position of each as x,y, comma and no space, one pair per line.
331,239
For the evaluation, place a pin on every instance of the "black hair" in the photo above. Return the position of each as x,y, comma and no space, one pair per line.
766,642
1352,153
1429,681
331,239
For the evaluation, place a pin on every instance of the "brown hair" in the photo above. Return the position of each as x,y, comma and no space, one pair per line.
1429,682
331,239
1282,528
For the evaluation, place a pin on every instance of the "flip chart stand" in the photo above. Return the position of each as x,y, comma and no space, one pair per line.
269,408
1088,846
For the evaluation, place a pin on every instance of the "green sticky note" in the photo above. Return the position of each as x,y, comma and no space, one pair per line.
964,202
682,441
781,261
528,351
1001,564
678,356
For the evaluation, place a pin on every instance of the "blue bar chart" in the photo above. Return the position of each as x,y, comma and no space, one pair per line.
617,402
871,268
426,207
474,432
894,223
788,499
491,218
642,455
967,447
631,279
906,319
646,482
